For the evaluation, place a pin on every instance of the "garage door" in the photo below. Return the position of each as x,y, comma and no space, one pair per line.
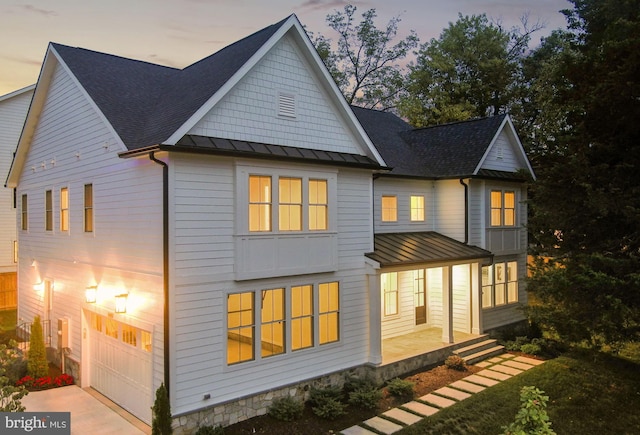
121,364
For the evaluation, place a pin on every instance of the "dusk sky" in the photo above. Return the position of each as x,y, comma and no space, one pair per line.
179,32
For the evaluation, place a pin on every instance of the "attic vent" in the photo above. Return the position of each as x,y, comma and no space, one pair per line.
500,152
286,105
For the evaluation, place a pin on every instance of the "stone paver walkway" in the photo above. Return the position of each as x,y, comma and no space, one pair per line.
495,370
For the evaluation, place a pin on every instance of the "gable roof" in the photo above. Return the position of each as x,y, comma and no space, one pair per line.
452,150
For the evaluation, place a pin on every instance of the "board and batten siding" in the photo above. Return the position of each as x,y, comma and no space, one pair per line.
250,110
204,219
71,147
13,111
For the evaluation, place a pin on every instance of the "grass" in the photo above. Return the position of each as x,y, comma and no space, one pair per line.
588,394
8,320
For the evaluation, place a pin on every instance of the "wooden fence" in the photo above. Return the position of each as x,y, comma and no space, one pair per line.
8,291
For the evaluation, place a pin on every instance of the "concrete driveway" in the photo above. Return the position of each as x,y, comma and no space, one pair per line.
91,412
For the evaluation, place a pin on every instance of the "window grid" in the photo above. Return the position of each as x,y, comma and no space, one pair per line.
48,210
389,209
88,208
64,209
301,317
240,327
318,205
417,208
273,322
328,312
390,292
290,204
499,284
503,208
259,203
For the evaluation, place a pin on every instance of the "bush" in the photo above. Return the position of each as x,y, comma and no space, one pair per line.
531,349
10,394
286,409
400,387
456,363
37,365
326,402
161,420
210,430
532,417
363,393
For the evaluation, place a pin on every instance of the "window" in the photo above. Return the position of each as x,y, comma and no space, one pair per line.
389,209
272,330
318,205
301,317
88,208
328,312
130,335
96,322
259,203
145,340
64,209
500,284
110,327
503,208
48,210
290,204
389,283
25,213
417,208
240,327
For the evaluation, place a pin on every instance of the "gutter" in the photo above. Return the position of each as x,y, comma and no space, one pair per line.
165,261
466,211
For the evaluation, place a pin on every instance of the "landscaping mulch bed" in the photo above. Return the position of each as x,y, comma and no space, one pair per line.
309,424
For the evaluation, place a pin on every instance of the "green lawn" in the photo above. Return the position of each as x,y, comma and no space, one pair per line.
8,320
588,394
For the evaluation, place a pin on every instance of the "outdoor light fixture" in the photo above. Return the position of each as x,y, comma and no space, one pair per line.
121,303
90,294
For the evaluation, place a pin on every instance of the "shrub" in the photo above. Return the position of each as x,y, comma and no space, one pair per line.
210,430
286,409
161,420
329,408
319,395
363,393
531,348
10,395
400,387
456,363
532,417
37,365
516,345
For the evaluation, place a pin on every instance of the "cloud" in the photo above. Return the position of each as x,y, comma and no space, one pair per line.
22,60
327,4
45,12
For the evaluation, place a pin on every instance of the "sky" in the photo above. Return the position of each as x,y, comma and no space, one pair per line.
177,33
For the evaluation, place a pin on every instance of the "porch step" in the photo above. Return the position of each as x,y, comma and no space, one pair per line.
479,351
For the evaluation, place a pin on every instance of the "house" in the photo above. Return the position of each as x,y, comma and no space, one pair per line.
224,228
13,110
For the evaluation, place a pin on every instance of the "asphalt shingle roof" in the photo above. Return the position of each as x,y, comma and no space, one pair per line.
446,150
146,103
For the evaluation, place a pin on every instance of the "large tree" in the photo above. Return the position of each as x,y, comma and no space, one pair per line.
471,70
366,62
586,203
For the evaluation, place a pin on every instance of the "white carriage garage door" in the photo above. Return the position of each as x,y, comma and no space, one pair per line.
121,364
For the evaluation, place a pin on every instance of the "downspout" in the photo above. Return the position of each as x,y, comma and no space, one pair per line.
466,211
165,261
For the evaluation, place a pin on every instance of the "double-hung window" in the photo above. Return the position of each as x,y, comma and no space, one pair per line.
240,327
417,208
24,212
88,208
389,283
273,322
503,208
500,284
301,317
328,312
389,208
64,209
290,204
48,210
318,205
259,203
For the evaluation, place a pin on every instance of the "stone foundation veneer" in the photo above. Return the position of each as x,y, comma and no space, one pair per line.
226,414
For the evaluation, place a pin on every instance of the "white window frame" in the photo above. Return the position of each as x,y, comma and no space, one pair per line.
389,212
503,284
417,212
502,211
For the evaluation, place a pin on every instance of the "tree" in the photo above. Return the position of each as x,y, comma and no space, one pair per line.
37,365
161,421
586,203
366,64
471,70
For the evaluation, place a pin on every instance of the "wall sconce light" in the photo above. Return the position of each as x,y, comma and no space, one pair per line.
121,303
90,294
33,262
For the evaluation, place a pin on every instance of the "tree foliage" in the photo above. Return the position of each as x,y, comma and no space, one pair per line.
10,395
366,64
586,203
473,69
161,420
37,364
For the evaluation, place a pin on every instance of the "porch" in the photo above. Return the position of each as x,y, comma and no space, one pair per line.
417,343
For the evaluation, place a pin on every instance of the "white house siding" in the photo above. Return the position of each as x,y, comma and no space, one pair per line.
434,296
461,297
72,147
449,212
250,110
203,215
477,213
13,110
403,189
404,321
502,155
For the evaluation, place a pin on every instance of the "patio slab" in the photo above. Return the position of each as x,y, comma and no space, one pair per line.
382,425
467,386
493,375
439,401
526,360
357,430
454,394
504,368
402,416
421,408
481,380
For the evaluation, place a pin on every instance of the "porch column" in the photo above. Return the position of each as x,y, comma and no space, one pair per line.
447,306
375,319
476,299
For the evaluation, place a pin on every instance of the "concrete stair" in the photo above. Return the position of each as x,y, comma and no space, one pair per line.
479,351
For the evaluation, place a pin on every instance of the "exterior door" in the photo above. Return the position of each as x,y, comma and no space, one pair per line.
420,297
